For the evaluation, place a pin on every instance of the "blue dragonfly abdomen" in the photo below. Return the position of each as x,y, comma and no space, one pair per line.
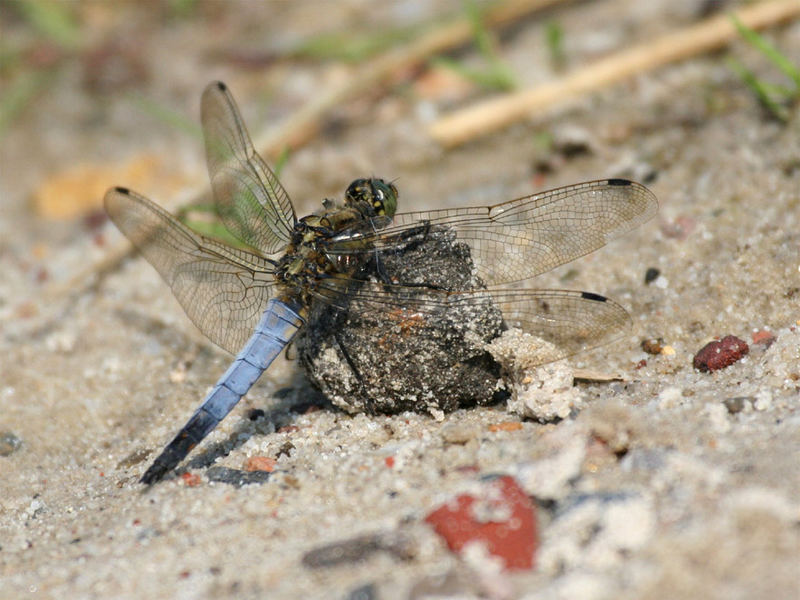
274,331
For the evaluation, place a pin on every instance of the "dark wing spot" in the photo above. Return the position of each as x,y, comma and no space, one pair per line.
595,297
620,182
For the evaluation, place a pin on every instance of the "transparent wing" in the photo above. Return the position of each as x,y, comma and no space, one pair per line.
573,321
223,290
531,235
250,200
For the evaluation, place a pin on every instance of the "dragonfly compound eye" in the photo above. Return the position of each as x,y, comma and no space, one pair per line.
375,193
384,197
358,191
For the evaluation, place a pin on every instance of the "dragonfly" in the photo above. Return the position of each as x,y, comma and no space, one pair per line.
252,298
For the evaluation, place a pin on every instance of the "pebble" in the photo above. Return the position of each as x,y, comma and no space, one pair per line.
763,400
763,337
737,404
651,275
359,548
502,519
459,432
236,477
9,443
266,464
720,354
653,345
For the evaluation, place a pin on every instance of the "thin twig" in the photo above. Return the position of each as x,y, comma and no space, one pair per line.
304,123
711,34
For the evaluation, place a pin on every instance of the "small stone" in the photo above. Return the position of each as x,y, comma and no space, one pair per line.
502,519
254,414
653,345
614,424
191,479
737,404
720,354
235,477
260,463
571,141
505,426
763,337
9,443
651,275
178,375
357,549
679,229
61,341
763,400
459,433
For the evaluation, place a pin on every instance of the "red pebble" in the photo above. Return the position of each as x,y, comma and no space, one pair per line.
763,337
721,354
191,480
679,229
503,519
260,463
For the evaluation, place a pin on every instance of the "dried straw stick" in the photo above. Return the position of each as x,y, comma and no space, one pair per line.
304,123
713,33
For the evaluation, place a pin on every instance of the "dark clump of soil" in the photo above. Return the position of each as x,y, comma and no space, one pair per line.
413,350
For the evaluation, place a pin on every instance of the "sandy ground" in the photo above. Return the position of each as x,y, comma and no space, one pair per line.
670,483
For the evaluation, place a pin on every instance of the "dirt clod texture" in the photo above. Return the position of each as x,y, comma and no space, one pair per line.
376,358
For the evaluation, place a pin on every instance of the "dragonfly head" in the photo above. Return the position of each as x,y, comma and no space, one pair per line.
375,194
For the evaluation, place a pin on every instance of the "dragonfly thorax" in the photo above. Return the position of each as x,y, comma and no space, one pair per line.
368,204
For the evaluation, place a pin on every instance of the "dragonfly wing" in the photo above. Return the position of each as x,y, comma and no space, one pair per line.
223,290
249,198
528,236
572,321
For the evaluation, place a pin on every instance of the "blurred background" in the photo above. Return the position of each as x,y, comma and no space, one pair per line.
460,103
97,94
